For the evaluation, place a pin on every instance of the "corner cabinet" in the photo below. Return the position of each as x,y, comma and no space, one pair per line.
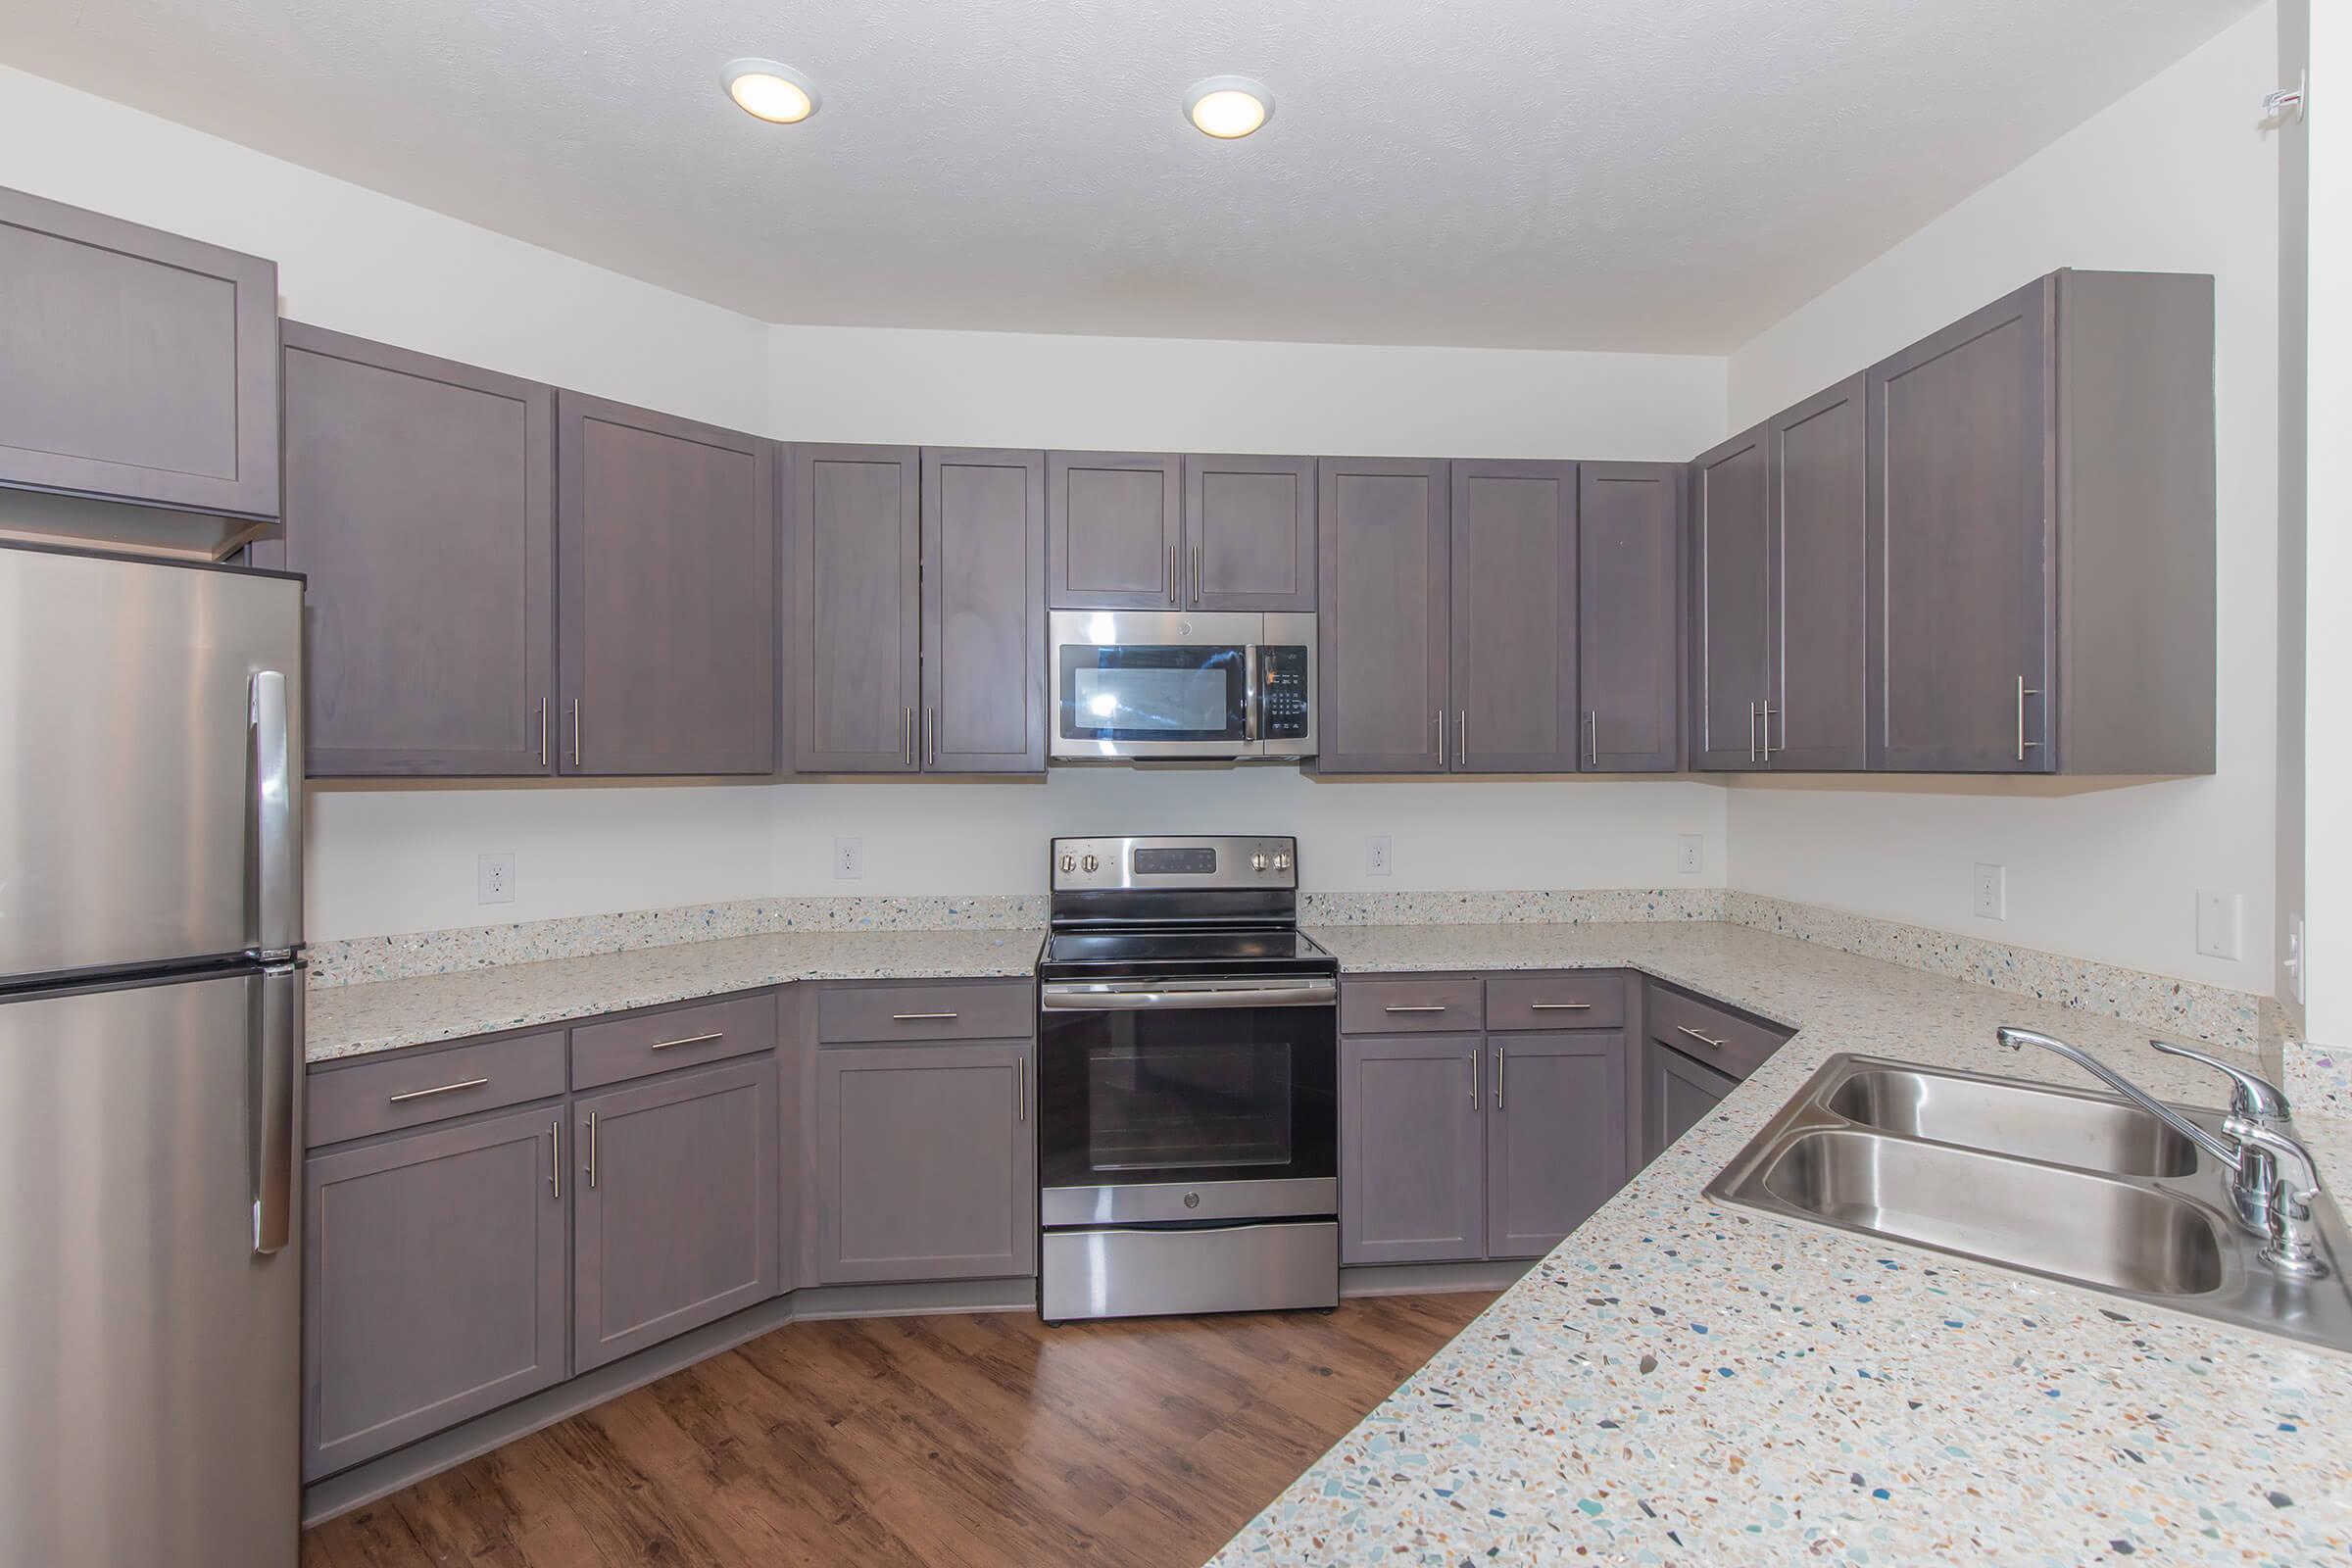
1629,616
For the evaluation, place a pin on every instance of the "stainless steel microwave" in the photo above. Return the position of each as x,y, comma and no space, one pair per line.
1171,685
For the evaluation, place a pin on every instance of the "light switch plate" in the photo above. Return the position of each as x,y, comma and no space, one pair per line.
493,878
2220,924
1993,892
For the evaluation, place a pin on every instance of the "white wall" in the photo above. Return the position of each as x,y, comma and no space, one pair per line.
2177,176
2294,456
402,859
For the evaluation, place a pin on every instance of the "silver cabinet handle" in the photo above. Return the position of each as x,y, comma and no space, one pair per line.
930,735
592,1149
1196,576
1439,718
1593,722
1497,1077
1751,732
555,1158
439,1089
1434,1006
276,1039
1559,1007
1020,1088
1769,748
1478,1060
1175,583
1711,1044
911,1017
2023,691
542,732
688,1040
276,851
1461,738
575,732
906,738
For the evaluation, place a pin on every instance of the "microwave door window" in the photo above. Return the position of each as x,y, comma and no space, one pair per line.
1152,693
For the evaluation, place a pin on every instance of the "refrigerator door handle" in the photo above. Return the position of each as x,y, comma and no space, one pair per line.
277,851
273,1066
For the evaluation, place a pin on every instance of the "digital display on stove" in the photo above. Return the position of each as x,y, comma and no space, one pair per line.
1176,863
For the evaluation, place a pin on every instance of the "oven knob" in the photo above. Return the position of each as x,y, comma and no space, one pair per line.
1257,862
1191,1199
1091,863
1069,863
1282,863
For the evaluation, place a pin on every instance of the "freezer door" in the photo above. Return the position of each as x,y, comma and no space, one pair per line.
150,1350
150,762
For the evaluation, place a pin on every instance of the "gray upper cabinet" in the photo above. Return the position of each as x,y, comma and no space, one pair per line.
670,614
1630,590
1117,536
135,365
856,521
1413,1149
1513,621
1249,533
1556,1137
419,503
1820,719
926,1162
1731,617
433,1283
983,611
674,1205
1381,561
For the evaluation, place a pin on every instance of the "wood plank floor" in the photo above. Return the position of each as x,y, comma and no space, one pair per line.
969,1441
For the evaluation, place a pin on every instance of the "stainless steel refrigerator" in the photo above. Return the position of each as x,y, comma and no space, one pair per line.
150,1063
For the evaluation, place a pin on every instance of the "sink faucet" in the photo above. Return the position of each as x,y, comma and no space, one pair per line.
2276,1177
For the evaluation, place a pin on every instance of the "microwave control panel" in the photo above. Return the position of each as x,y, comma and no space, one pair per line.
1283,671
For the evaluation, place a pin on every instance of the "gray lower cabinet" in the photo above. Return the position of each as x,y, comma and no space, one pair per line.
1514,619
926,1162
434,1282
984,611
1629,624
670,598
419,502
1676,1094
139,365
856,521
1557,1135
1413,1149
674,1207
1381,561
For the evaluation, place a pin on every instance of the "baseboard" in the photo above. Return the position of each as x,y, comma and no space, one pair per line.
1432,1279
387,1473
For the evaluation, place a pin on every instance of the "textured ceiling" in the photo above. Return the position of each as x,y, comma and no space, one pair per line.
1654,175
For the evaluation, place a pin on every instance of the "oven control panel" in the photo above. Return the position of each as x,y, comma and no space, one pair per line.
1185,863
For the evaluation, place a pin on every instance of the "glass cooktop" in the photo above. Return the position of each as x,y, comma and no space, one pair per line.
1185,949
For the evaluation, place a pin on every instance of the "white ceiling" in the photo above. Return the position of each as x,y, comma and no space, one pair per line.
1653,175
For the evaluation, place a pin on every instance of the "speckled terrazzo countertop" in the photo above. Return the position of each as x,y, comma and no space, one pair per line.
1680,1382
386,1014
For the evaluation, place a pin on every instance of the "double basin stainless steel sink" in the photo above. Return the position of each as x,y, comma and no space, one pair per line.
2074,1187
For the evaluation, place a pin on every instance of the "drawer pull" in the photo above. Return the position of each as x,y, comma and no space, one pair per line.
1434,1006
1559,1007
918,1017
1711,1044
442,1088
688,1040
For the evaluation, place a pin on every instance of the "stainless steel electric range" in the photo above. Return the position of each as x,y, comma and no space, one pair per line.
1187,1081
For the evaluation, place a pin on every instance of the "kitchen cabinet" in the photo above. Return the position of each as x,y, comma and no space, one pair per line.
983,611
1381,560
856,521
1513,618
670,598
419,503
674,1202
434,1282
1413,1149
1629,596
1117,532
926,1162
1557,1135
1731,617
139,365
2042,534
1676,1094
1250,532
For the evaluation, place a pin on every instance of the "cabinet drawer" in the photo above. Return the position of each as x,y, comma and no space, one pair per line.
410,1088
675,1037
1590,1000
1724,1040
976,1010
1420,1004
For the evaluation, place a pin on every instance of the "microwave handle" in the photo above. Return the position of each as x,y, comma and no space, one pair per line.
1253,695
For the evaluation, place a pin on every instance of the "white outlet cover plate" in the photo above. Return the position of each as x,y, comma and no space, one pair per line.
1376,856
2220,924
848,859
493,878
1691,854
1993,892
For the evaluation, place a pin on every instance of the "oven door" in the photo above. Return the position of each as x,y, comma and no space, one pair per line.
1130,685
1190,1101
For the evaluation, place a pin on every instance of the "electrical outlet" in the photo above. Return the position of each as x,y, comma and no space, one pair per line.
1691,852
848,859
1993,892
2221,920
1376,856
493,878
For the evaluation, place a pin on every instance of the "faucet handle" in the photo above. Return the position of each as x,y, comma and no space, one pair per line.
2254,1097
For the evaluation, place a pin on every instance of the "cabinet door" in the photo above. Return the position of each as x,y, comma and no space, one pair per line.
1962,573
1629,625
433,1283
984,611
1380,565
1555,1137
1513,618
135,363
419,502
1250,531
1676,1094
926,1162
676,1206
1731,617
1116,539
857,530
670,609
1413,1149
1821,581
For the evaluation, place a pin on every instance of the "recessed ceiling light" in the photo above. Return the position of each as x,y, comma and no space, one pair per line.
770,90
1227,107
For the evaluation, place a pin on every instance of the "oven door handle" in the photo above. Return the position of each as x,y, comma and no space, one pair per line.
1132,996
